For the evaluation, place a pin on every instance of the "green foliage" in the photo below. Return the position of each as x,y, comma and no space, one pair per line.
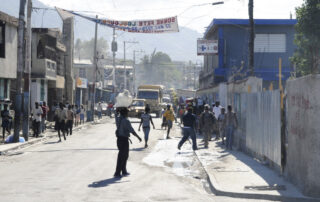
307,39
84,49
158,68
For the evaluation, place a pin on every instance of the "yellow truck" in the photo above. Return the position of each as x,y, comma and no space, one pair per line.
153,97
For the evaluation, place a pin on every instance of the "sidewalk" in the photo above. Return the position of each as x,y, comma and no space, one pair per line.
234,174
49,133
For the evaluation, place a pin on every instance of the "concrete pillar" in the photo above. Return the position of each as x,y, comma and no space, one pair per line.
68,39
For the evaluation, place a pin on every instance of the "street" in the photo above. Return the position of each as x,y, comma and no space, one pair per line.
82,168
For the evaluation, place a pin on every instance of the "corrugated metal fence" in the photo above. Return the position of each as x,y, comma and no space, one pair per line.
263,124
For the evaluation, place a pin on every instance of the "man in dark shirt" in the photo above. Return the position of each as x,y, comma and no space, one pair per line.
189,122
5,116
124,128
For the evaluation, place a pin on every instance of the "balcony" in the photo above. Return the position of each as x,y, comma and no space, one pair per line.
44,68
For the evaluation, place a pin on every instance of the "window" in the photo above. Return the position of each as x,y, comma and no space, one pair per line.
82,73
2,40
148,95
270,43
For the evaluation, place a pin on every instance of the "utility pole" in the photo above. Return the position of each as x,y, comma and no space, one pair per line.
18,101
114,48
93,95
134,69
124,62
26,75
251,38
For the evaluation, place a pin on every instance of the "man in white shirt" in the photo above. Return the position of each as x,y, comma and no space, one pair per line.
36,117
217,111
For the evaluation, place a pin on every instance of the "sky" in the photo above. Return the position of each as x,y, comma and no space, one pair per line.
192,14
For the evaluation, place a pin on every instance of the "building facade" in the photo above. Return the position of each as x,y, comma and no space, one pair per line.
8,54
274,39
48,67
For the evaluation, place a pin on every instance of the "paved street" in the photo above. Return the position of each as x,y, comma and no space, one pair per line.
82,168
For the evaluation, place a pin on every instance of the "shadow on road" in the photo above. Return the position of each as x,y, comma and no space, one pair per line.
105,183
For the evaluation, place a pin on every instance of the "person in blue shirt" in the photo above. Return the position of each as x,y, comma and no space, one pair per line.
145,122
124,128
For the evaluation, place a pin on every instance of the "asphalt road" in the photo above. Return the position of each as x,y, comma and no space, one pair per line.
82,168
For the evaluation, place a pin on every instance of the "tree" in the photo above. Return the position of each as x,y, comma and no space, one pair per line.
307,38
158,68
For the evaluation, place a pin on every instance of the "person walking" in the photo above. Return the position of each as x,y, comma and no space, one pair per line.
124,128
82,112
5,116
61,117
217,111
231,123
169,115
70,117
221,124
36,117
77,113
189,122
145,122
207,123
99,110
45,110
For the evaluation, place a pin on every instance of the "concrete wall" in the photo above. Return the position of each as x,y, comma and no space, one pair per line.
8,64
303,154
35,90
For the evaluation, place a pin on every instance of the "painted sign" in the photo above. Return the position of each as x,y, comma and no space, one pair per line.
206,47
163,25
82,82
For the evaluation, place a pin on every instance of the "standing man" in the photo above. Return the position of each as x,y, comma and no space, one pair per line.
189,123
123,131
61,117
99,109
207,122
169,115
70,117
5,116
36,114
145,122
231,124
221,124
217,111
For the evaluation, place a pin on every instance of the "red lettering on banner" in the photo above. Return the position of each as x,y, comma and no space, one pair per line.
166,21
173,19
140,23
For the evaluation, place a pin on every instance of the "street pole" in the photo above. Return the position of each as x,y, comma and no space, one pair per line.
124,64
18,101
251,38
114,50
124,58
93,95
26,75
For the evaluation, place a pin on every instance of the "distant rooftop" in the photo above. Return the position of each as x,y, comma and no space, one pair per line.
9,19
245,22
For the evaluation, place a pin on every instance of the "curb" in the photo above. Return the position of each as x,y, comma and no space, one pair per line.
216,191
46,136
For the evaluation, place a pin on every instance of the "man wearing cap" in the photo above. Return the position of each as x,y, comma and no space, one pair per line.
207,122
189,123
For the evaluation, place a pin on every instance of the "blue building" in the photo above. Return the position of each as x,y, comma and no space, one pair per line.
274,39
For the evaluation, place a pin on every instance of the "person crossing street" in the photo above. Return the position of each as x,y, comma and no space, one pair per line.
145,122
169,116
189,122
